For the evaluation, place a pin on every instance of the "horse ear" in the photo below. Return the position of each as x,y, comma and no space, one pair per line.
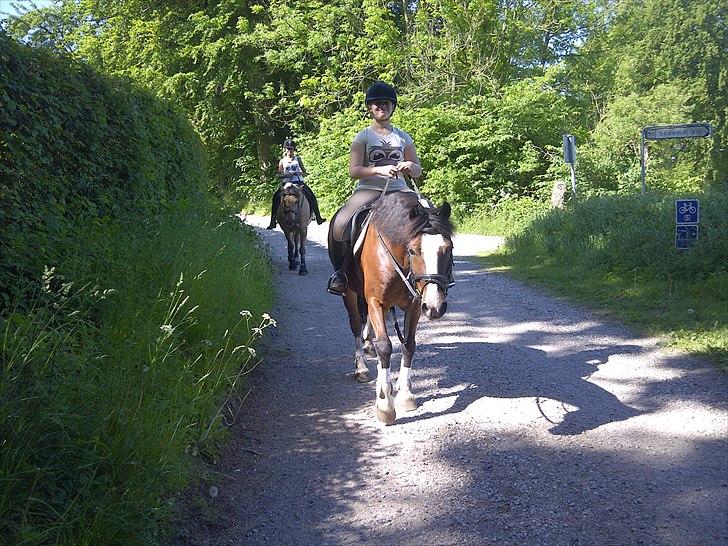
445,210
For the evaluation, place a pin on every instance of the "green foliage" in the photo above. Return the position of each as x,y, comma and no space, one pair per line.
131,305
620,234
619,253
120,370
78,149
483,151
509,217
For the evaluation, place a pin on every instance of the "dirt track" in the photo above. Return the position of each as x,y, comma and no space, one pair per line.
538,424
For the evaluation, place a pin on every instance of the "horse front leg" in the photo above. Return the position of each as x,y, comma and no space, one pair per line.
405,400
290,238
384,390
352,308
302,237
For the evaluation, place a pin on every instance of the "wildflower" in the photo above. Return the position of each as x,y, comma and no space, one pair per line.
167,328
245,313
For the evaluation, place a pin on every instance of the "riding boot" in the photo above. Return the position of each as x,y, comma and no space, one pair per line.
338,282
314,204
274,209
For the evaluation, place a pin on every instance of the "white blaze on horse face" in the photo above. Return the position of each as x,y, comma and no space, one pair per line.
432,247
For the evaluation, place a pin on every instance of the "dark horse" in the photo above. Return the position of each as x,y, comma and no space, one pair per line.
294,215
405,261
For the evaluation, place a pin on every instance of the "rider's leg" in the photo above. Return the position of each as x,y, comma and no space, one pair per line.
339,244
308,192
274,209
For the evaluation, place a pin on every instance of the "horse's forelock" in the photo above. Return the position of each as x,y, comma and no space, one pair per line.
400,217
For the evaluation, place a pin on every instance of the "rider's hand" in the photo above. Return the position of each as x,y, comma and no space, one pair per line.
404,166
389,171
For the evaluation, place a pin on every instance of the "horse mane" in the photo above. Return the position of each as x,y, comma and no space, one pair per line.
400,218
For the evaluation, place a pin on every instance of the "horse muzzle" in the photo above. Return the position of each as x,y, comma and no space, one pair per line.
434,313
290,219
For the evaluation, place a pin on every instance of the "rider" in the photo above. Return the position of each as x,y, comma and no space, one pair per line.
380,155
291,169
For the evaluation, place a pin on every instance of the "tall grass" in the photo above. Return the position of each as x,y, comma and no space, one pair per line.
619,254
119,371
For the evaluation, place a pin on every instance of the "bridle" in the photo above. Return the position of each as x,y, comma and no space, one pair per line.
300,197
410,280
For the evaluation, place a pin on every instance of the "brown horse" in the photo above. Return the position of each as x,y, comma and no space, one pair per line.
294,215
405,262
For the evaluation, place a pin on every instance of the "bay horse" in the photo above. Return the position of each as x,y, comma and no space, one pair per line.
405,262
294,215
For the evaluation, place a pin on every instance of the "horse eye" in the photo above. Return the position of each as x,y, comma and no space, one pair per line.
411,252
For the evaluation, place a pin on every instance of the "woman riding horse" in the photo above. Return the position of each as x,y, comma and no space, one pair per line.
405,258
380,156
291,169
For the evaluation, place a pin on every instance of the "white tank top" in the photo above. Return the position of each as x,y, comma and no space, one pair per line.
291,166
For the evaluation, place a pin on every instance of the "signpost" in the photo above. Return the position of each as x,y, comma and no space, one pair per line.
687,217
570,158
664,132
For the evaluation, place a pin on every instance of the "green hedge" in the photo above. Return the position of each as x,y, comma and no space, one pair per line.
76,148
131,305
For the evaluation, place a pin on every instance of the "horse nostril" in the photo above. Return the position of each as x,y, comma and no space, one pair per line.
424,308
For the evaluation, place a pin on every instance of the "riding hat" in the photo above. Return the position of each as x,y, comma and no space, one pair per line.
288,143
381,91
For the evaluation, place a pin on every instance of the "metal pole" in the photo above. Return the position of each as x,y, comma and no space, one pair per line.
642,157
573,179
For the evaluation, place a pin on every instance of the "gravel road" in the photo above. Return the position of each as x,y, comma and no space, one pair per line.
538,424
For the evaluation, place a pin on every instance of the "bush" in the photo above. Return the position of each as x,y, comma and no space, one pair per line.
78,148
630,233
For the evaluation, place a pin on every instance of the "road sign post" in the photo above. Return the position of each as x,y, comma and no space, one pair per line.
664,132
570,158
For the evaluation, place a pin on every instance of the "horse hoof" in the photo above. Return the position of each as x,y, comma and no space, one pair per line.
363,376
385,416
406,403
303,272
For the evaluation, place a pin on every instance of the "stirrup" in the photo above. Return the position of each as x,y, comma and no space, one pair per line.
337,283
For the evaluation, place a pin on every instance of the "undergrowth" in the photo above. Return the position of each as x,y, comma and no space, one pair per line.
618,254
120,370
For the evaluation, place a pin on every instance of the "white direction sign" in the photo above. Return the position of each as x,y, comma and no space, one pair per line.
688,130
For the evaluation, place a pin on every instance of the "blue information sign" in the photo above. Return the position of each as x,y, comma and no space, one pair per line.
685,236
687,211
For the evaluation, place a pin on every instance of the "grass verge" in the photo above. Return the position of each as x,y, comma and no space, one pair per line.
119,372
617,254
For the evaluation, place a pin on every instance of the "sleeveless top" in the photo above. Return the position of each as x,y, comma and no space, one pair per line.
382,150
291,166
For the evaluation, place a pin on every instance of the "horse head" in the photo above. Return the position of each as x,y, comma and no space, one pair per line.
429,255
291,201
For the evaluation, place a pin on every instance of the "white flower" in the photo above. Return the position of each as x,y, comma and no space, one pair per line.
245,313
166,328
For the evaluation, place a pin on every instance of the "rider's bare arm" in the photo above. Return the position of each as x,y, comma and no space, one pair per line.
411,164
303,168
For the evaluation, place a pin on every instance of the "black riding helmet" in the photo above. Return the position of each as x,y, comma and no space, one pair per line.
288,143
381,91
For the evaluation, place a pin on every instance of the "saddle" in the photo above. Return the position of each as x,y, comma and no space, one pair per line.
358,229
